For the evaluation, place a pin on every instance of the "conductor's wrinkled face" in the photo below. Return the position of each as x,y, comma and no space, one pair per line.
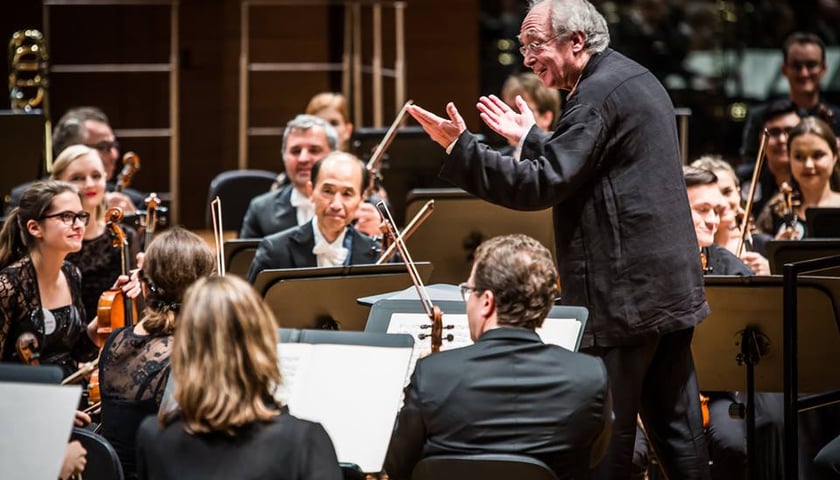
549,55
337,193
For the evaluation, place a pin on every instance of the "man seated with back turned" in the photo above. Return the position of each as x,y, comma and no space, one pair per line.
327,240
509,393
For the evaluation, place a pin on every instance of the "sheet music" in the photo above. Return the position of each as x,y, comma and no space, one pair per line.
557,331
354,391
36,421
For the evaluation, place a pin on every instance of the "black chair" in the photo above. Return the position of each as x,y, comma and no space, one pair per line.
236,188
20,373
484,466
102,460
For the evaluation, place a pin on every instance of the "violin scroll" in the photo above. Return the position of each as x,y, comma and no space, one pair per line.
28,349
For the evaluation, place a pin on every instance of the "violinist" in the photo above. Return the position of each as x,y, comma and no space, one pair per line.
134,364
470,400
728,233
226,423
40,292
327,240
813,152
100,263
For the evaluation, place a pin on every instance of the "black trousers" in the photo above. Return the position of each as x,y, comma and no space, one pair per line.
655,380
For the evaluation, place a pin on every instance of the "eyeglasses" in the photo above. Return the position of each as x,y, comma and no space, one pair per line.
536,47
777,132
809,65
69,218
105,145
465,290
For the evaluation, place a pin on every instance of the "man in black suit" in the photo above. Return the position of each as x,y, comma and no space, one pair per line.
306,140
508,392
328,239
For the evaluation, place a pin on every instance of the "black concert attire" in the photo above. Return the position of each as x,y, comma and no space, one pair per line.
133,370
271,212
293,249
101,263
612,172
283,448
61,332
507,393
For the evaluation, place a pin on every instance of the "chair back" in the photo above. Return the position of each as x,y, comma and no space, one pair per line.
236,188
102,460
20,373
483,466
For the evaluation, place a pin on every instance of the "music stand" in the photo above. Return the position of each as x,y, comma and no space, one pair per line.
746,327
239,254
326,297
780,252
460,222
822,222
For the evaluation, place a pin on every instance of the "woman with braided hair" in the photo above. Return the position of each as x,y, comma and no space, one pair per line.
134,364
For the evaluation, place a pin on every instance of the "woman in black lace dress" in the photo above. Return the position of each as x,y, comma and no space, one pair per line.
227,424
40,292
134,364
99,262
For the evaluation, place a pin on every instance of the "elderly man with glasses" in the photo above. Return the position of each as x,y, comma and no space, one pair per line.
625,245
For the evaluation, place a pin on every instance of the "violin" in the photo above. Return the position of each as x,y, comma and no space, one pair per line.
28,349
115,309
787,210
131,164
152,203
432,311
389,247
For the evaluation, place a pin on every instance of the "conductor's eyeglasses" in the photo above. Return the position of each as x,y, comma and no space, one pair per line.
536,47
69,218
465,290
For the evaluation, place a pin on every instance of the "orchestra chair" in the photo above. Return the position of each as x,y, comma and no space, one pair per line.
102,460
487,466
20,373
236,188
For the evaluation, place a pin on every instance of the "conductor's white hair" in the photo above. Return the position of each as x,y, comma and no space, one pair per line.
579,16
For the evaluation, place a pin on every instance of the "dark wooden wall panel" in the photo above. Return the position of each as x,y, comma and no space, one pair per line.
442,65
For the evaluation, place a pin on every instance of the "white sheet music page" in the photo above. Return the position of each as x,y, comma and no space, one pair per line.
557,331
354,391
36,421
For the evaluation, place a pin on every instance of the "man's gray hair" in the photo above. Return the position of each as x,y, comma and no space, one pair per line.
304,122
579,16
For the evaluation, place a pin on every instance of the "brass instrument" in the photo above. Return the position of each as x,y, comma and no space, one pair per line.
28,80
28,71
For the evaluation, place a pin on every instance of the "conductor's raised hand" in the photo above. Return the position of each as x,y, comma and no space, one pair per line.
442,131
504,120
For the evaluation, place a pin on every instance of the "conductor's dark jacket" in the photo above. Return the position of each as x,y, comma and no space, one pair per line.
626,247
507,393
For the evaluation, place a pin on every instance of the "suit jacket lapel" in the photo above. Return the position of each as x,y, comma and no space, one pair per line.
301,245
284,212
362,252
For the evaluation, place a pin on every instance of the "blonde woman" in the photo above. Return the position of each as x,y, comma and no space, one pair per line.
99,262
227,424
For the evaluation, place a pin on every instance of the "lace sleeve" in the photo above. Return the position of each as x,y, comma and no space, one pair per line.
6,293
